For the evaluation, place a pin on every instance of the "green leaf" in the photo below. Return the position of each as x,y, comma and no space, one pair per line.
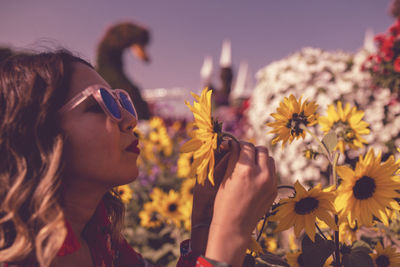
360,245
359,256
249,261
316,253
329,141
273,259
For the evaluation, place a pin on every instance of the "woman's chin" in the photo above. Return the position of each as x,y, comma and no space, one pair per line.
130,178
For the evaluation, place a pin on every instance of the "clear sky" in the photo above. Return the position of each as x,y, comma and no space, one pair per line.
184,31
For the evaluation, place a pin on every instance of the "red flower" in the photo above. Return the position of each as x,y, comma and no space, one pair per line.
386,48
388,55
395,28
396,64
379,38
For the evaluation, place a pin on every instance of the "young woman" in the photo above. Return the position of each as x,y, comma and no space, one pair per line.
66,140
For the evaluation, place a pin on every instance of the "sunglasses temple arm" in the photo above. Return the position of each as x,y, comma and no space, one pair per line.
76,100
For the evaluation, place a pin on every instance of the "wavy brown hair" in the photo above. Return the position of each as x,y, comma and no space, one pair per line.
32,89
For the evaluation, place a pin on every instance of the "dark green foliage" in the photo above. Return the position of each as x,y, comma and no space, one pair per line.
316,253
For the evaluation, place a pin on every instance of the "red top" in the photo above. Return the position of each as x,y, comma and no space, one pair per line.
103,254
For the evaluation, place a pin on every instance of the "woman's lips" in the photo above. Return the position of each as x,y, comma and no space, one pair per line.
133,147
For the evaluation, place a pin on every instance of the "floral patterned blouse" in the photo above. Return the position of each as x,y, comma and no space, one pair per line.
122,255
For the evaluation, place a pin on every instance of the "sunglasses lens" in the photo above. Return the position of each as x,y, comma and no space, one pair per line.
110,103
127,104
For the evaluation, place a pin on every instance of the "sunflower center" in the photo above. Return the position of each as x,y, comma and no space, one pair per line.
306,205
172,207
310,153
382,261
153,217
344,131
217,126
364,188
295,122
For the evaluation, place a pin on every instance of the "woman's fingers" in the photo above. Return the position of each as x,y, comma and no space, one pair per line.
247,153
271,165
262,157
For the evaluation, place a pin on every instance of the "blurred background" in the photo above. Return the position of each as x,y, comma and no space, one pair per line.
183,33
252,54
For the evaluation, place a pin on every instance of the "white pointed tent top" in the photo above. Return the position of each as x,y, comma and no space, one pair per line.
369,43
240,83
226,55
206,69
243,85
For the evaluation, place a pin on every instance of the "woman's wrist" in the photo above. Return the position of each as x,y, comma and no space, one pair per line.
204,261
227,244
199,237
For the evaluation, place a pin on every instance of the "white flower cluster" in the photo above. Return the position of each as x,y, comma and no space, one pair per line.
324,77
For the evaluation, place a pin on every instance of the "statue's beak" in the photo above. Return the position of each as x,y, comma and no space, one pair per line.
140,52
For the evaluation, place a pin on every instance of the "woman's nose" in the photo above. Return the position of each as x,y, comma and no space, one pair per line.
128,122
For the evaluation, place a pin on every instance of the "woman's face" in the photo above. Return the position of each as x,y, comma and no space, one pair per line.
96,145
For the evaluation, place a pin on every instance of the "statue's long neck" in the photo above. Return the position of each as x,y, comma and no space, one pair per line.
111,58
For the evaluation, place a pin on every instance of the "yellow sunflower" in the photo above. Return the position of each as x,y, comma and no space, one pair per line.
159,136
156,122
149,216
385,257
267,242
302,210
368,190
347,234
291,114
183,165
170,208
187,189
186,211
295,259
204,140
254,247
124,192
348,125
157,196
270,244
310,153
293,242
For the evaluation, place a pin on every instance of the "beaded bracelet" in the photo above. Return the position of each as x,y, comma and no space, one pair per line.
206,262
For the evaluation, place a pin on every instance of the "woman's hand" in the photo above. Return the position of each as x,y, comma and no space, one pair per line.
244,196
203,201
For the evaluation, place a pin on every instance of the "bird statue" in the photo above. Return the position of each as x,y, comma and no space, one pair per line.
5,52
109,63
395,8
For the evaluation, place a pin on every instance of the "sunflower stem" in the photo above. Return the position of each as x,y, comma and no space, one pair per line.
229,135
269,214
335,160
323,147
337,249
262,227
320,231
